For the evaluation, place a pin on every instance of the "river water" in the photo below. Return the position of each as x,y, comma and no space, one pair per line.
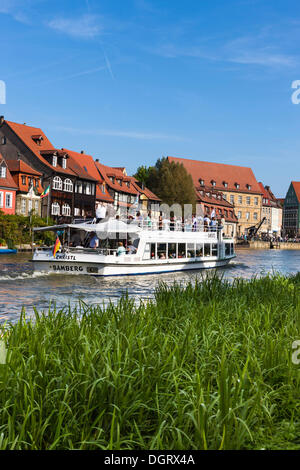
20,287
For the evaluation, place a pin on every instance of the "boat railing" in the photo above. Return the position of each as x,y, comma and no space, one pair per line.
176,226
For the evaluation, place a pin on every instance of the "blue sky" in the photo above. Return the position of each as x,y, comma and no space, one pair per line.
130,81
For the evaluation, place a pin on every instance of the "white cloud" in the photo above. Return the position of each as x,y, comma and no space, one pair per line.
264,49
86,27
16,9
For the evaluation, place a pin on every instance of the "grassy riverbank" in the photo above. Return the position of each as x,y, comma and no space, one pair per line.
202,367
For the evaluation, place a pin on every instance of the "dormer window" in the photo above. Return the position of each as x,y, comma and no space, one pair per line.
54,160
3,172
64,163
225,184
37,139
237,185
213,183
248,186
201,182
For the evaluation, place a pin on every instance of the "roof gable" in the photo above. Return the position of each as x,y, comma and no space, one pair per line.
31,136
8,181
83,165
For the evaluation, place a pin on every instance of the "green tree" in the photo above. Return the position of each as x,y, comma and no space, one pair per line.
171,183
143,174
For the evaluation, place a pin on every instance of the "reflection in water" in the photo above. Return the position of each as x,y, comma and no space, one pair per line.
19,286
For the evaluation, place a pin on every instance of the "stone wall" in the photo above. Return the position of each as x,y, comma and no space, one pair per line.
266,245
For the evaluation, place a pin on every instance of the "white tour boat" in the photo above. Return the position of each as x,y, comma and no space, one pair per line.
152,250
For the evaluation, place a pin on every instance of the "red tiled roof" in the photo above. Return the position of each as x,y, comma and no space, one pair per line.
83,165
8,181
27,133
269,196
211,199
105,171
220,173
296,186
100,196
18,166
265,195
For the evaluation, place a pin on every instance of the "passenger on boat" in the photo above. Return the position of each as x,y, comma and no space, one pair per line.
139,218
148,220
213,224
94,241
206,223
121,249
160,221
172,222
194,223
131,249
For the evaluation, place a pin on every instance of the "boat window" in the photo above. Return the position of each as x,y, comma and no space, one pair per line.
199,250
149,252
191,250
161,250
181,250
172,252
227,249
207,249
214,251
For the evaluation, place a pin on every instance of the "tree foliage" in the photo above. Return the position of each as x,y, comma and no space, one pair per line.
169,181
17,229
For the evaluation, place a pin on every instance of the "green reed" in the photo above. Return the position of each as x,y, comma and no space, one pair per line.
205,366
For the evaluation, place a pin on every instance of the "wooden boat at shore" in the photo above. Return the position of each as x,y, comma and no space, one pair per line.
154,249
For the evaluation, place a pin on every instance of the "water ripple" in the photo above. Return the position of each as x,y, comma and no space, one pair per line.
21,287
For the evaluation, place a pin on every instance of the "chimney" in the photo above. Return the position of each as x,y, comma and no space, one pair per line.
1,120
97,160
82,151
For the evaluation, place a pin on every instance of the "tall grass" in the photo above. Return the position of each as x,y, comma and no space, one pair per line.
206,366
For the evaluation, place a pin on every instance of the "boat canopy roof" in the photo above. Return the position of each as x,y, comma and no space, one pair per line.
107,226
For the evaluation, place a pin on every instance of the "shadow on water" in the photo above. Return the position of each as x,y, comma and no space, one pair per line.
20,286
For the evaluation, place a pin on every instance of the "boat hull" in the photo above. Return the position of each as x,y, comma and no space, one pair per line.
104,269
7,251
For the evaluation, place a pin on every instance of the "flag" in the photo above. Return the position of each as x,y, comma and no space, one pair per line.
56,247
45,192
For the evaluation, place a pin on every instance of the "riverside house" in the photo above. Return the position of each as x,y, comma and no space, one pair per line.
71,187
211,200
237,184
291,211
8,189
126,191
272,211
29,186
